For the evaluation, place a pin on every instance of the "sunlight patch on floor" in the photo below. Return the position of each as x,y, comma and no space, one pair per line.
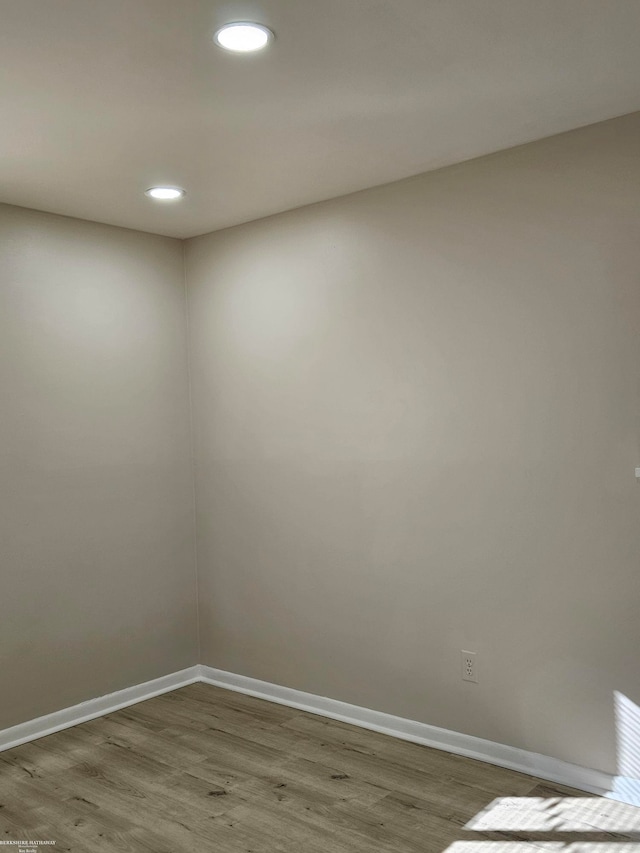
557,814
532,846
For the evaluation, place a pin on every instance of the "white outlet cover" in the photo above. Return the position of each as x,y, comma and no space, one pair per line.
469,665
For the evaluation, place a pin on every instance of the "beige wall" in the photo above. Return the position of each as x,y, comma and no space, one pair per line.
416,417
96,500
417,422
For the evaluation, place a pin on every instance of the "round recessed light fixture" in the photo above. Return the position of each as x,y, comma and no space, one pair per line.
165,193
243,37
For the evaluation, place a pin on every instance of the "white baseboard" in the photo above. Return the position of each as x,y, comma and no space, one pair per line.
521,760
541,766
67,717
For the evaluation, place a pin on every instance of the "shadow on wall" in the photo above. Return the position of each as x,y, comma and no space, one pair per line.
576,824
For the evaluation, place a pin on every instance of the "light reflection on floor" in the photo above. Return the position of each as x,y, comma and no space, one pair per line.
521,846
558,814
584,824
571,824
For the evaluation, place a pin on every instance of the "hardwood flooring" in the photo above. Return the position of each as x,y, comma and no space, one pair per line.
205,769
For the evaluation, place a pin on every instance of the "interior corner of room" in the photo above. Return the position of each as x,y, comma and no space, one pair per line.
367,457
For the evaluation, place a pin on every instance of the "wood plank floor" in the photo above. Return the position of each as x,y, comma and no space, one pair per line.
205,769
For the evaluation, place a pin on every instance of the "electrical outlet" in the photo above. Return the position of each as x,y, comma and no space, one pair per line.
469,666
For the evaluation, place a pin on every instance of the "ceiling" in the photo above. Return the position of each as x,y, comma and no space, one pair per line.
100,99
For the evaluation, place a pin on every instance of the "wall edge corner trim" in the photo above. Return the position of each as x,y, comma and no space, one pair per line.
457,743
98,707
502,755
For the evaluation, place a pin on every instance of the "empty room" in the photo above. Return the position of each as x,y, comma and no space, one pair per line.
320,426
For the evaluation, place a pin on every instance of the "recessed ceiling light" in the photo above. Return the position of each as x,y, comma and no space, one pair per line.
243,37
165,193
